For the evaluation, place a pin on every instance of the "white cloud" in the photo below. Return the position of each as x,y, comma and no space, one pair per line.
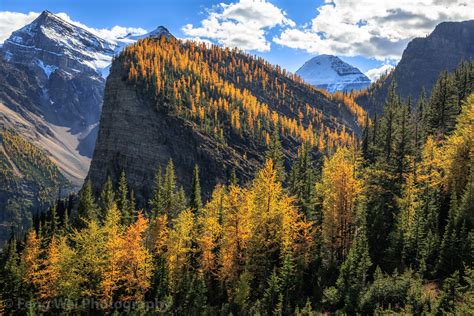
12,21
376,73
240,24
374,28
109,34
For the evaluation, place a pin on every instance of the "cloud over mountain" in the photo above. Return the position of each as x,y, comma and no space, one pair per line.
12,21
374,28
243,24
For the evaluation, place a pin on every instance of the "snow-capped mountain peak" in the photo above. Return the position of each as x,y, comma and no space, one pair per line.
331,73
159,31
53,42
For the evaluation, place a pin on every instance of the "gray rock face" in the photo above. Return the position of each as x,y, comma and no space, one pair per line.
62,64
134,136
423,60
53,43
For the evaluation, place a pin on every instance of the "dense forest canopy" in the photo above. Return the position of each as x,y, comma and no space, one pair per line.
383,224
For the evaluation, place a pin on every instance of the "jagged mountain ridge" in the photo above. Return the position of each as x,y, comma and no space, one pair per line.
54,77
143,126
53,44
332,74
422,62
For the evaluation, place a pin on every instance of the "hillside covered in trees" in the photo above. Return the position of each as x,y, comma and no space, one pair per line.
379,225
29,182
210,106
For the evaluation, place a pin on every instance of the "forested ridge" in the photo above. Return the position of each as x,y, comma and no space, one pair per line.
218,88
381,224
29,182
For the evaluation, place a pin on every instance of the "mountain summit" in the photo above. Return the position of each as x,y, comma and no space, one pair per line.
53,43
331,73
62,68
422,61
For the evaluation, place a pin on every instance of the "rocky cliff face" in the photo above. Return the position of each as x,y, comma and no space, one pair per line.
423,60
136,138
141,130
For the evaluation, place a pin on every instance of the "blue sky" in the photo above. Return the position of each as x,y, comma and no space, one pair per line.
286,32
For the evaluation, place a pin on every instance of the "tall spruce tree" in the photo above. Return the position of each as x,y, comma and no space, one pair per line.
156,202
169,189
122,199
354,271
443,106
195,198
275,153
302,179
107,197
87,208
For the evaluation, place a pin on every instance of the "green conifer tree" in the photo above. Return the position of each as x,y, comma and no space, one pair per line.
87,208
195,198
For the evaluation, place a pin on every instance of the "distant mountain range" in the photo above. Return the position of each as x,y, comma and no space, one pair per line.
422,62
332,74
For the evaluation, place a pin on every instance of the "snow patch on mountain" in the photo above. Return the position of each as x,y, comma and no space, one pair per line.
48,69
80,49
332,74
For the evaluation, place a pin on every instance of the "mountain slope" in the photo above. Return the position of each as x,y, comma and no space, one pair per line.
422,62
216,107
332,74
28,181
53,77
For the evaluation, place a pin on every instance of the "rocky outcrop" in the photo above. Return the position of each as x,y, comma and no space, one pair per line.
140,131
422,62
137,138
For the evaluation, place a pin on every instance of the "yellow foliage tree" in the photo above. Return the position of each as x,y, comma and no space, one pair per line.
339,189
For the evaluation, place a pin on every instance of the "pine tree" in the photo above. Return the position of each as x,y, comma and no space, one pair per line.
87,208
402,142
10,274
53,221
388,121
195,198
156,202
122,199
133,205
233,177
302,179
354,271
443,106
169,189
107,197
274,152
366,138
